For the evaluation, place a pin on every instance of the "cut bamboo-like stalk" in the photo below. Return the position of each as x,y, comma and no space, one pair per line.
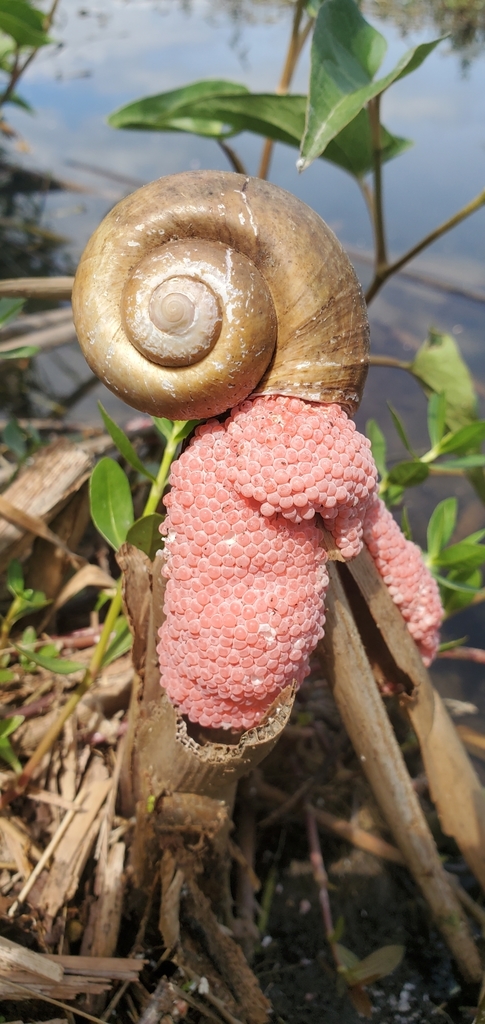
370,731
37,287
453,783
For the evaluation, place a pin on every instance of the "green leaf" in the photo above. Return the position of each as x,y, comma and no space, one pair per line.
15,439
219,109
441,525
406,525
7,727
347,958
378,446
111,502
145,534
462,556
436,418
121,642
352,148
156,112
408,474
61,666
9,309
183,428
163,426
440,367
466,462
346,53
20,353
450,645
452,583
399,425
378,965
123,444
23,23
463,439
15,578
6,676
29,601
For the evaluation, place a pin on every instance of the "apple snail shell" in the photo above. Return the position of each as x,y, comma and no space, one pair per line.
204,287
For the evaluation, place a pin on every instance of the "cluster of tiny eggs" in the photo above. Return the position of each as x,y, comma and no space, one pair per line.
244,597
295,459
410,584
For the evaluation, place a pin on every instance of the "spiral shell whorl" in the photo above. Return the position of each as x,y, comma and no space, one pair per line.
279,275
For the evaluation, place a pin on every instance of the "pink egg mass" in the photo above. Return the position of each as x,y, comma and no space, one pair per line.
245,565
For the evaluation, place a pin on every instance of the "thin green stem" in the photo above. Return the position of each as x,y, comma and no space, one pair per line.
442,229
158,485
396,364
374,108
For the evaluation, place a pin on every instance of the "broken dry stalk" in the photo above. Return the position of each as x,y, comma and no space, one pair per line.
373,739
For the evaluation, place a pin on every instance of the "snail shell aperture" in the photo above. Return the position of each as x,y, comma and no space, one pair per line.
204,287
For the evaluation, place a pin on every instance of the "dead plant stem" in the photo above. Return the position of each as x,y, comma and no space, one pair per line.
297,41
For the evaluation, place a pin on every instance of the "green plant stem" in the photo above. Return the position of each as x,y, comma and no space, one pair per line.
8,622
296,44
396,364
56,728
392,268
377,208
234,160
158,485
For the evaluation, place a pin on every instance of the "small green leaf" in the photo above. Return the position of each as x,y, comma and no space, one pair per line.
145,534
440,367
378,965
462,556
15,439
20,353
441,526
450,645
163,426
405,524
183,428
61,666
123,444
466,462
436,418
455,584
7,727
463,439
346,957
6,676
15,578
408,474
121,642
399,425
156,112
9,309
378,446
111,502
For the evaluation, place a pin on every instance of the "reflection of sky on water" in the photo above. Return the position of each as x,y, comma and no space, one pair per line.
121,51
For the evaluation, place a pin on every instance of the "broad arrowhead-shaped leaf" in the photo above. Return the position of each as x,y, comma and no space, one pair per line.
346,54
174,110
221,109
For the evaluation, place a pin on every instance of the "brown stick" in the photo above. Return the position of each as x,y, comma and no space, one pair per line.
453,783
369,729
37,288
